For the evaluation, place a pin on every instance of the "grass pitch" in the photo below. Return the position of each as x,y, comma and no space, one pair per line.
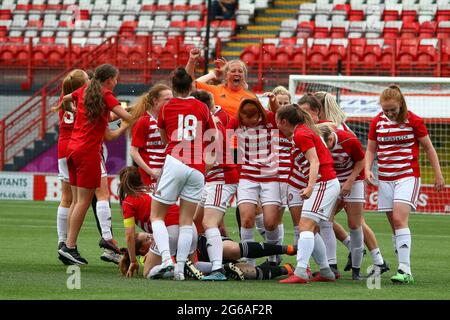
29,268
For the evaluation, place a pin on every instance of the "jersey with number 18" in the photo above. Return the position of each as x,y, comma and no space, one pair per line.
186,120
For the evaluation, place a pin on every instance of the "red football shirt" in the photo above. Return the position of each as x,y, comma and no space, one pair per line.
87,136
186,120
66,123
139,207
305,139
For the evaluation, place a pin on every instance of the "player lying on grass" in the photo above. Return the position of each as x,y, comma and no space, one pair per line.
232,252
136,204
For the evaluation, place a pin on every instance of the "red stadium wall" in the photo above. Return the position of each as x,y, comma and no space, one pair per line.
38,187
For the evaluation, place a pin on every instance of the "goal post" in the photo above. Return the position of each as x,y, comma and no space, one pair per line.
358,96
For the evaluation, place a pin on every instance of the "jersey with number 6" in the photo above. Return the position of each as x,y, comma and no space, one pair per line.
186,120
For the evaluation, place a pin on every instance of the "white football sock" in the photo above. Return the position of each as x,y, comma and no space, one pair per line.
61,223
357,246
320,252
305,248
205,267
280,234
104,218
394,244
259,223
161,237
346,243
377,258
272,238
214,247
183,247
403,241
329,238
247,236
296,234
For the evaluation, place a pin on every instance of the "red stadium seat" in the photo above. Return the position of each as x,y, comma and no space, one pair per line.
269,53
321,31
357,47
336,51
356,15
410,29
443,30
284,55
391,30
338,32
57,54
372,53
407,51
445,51
318,52
149,7
391,15
305,29
427,29
288,41
5,15
427,52
409,16
299,55
442,15
250,55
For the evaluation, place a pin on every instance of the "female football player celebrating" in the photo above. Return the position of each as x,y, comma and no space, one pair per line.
394,136
183,122
93,105
147,149
348,156
312,158
258,180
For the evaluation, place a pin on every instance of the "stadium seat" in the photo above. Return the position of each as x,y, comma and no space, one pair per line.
284,54
410,29
409,13
372,52
443,30
337,51
357,47
392,29
427,29
427,52
305,29
318,51
250,54
407,52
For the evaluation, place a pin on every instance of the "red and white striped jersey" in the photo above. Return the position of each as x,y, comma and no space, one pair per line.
304,139
224,171
283,147
346,151
397,146
255,155
146,137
